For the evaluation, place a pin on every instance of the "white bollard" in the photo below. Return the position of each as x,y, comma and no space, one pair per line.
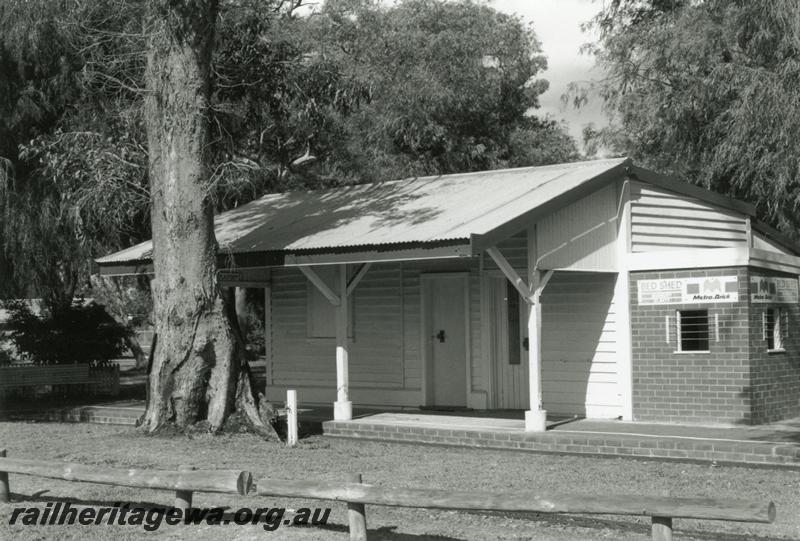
291,417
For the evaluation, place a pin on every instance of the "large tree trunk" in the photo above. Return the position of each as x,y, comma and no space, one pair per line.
198,372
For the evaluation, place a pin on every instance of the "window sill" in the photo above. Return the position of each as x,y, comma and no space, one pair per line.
778,350
692,352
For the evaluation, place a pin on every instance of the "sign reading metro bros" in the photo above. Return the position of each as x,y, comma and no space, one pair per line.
773,289
689,290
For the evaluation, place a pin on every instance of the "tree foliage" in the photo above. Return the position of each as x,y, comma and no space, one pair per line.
709,91
74,186
358,91
444,87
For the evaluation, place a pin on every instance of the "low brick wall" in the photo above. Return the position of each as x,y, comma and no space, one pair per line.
82,414
580,443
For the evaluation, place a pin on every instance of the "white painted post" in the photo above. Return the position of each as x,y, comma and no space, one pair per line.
622,303
342,408
535,417
291,417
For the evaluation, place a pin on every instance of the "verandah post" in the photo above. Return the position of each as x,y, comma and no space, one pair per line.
535,417
342,408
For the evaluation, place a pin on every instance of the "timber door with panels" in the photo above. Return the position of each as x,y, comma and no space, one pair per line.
445,325
507,314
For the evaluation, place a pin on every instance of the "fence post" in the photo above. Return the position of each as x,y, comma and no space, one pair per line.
356,515
183,498
662,529
5,491
291,417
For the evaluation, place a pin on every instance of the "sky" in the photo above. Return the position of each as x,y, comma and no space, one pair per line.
557,26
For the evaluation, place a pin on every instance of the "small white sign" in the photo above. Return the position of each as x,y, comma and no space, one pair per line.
771,289
689,290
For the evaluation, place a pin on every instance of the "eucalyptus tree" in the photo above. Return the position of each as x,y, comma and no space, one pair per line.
199,373
151,115
710,91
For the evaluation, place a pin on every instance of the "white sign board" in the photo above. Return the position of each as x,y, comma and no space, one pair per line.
772,289
689,290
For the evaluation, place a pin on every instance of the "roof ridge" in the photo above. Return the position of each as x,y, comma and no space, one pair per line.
562,165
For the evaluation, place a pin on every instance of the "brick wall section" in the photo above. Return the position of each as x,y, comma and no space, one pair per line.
775,376
579,443
82,414
709,387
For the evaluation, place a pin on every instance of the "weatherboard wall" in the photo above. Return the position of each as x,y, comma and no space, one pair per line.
580,356
385,356
579,236
381,361
761,242
664,220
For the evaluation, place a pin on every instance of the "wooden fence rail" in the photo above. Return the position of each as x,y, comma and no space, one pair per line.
356,494
662,510
183,482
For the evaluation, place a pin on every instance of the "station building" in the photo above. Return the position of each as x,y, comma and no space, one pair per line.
596,289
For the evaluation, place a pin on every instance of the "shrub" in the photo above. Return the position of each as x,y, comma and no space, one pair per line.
6,357
82,333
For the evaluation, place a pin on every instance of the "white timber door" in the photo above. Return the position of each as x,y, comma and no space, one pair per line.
508,313
445,332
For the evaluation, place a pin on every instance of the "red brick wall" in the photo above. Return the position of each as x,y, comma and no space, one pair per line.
775,376
709,387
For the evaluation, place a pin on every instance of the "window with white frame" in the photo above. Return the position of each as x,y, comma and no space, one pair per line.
775,327
693,330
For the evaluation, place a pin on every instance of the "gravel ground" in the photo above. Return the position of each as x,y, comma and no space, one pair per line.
397,465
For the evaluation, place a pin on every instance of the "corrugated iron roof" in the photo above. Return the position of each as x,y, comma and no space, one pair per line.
411,211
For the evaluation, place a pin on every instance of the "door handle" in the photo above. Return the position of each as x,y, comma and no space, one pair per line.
440,336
